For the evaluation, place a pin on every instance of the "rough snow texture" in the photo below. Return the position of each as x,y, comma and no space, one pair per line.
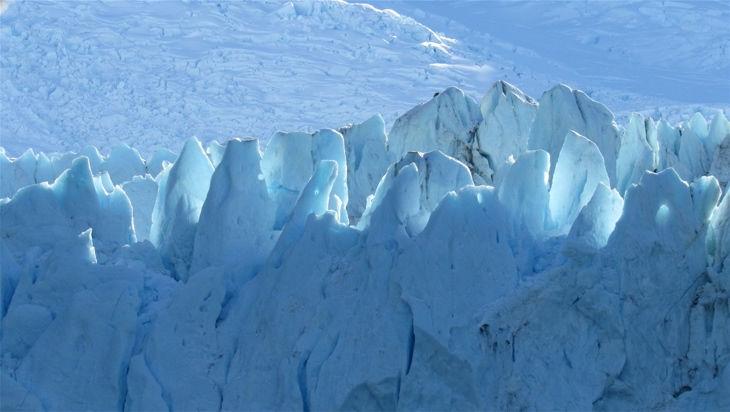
552,288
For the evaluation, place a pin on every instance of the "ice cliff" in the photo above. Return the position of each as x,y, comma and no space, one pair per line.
519,253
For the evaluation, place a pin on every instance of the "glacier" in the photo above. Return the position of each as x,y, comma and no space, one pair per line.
516,253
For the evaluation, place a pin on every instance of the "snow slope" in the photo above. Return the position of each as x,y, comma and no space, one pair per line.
152,75
155,74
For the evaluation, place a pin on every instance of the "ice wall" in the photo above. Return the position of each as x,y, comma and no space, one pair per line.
360,269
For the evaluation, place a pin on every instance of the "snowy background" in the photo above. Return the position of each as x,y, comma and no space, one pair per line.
152,74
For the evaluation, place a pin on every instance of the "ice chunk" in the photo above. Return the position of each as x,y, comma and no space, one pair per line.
15,397
59,163
45,170
563,109
445,283
182,346
635,155
17,173
155,163
235,230
367,161
437,175
720,167
287,166
317,336
123,163
215,152
315,198
662,210
694,161
11,272
104,182
446,122
597,219
180,198
313,201
579,170
8,182
289,161
699,125
719,129
668,138
96,159
504,131
328,144
718,238
524,192
658,251
84,248
446,294
142,192
143,391
396,202
45,215
80,359
705,191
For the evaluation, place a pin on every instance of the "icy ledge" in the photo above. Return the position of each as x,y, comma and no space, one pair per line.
588,268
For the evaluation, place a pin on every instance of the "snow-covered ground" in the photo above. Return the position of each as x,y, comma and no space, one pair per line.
153,74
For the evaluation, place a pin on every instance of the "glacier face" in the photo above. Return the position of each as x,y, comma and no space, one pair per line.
517,254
